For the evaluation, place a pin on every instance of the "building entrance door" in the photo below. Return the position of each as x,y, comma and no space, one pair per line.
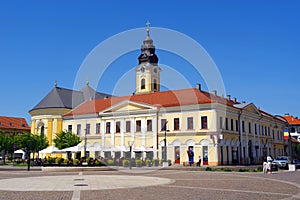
205,155
177,154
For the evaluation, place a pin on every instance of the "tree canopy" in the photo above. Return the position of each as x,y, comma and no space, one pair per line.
6,142
31,143
65,139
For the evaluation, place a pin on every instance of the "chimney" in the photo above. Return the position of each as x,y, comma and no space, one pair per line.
286,114
214,92
106,97
234,100
228,97
243,101
198,86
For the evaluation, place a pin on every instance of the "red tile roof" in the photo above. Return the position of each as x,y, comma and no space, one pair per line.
168,98
13,123
292,120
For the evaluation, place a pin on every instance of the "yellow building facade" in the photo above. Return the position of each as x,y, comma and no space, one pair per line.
165,124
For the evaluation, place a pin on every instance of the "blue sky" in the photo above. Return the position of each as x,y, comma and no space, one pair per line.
255,45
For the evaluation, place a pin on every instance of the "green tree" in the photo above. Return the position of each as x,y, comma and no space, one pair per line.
65,139
30,143
6,144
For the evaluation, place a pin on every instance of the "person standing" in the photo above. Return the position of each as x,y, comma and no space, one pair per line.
199,162
191,156
265,165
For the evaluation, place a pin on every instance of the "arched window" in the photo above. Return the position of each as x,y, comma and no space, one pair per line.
143,86
154,84
42,131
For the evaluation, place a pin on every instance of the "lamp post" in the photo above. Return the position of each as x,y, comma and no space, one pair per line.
130,144
28,154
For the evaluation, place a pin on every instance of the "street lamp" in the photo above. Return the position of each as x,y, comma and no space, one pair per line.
130,144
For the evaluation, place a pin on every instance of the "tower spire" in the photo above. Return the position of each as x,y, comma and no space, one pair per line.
148,28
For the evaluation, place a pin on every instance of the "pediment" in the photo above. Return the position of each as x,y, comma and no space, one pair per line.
128,107
251,108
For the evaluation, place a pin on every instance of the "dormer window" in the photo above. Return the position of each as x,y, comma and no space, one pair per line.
10,123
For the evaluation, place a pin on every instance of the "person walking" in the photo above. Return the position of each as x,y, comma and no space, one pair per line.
265,165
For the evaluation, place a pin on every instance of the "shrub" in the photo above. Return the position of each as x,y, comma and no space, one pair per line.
75,161
243,170
138,163
156,162
98,162
148,163
259,169
50,160
170,162
59,160
110,162
126,163
208,169
66,161
226,169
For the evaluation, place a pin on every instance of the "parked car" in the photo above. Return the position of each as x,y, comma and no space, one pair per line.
297,163
282,162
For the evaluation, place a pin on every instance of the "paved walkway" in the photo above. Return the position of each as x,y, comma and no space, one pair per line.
147,184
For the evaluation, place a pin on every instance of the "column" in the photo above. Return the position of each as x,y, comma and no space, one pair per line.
33,126
143,130
123,128
112,132
102,131
241,147
132,133
49,131
154,129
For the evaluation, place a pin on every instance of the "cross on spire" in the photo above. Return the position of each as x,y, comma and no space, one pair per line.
148,27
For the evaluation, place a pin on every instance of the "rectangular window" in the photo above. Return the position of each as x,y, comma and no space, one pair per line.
237,125
78,129
88,128
118,127
70,128
107,130
255,128
262,130
204,122
97,128
163,123
226,123
249,124
269,132
231,125
149,125
243,126
176,124
190,123
128,124
138,125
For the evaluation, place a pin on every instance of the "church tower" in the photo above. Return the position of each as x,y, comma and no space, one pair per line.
147,72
